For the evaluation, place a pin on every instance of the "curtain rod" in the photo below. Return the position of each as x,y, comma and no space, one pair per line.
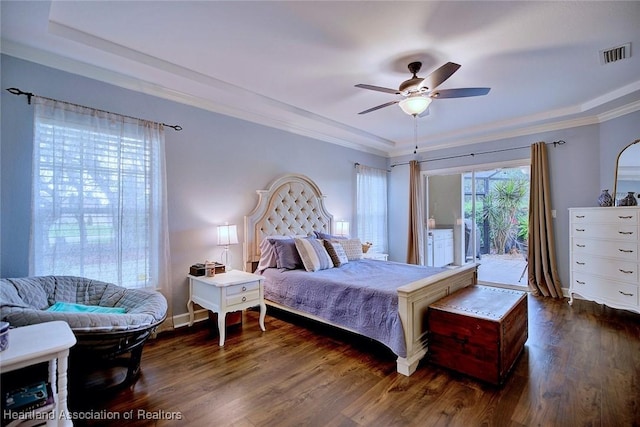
29,95
555,143
356,164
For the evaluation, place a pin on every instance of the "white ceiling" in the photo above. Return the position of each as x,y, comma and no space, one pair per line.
293,65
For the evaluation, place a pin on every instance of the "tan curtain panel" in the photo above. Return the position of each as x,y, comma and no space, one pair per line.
543,272
415,251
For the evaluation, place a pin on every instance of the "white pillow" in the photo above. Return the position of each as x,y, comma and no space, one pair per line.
314,256
352,247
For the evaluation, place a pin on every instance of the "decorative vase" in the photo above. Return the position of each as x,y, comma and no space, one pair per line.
628,200
605,199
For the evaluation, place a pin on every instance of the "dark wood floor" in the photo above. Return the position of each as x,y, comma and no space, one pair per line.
580,366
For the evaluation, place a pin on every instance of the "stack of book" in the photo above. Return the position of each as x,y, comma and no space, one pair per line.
28,403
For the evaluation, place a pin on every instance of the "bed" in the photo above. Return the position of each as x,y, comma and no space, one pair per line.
382,300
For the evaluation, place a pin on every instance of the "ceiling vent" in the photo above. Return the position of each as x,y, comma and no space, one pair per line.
614,54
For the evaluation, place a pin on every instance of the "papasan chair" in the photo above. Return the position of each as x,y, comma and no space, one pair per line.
111,323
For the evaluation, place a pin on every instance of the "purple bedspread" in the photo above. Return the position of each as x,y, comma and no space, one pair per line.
360,295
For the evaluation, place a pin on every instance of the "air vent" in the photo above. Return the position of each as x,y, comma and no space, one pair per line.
614,54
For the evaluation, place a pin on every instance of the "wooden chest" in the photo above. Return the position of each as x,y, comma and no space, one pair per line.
479,331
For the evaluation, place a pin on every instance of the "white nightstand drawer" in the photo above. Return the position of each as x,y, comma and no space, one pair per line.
245,287
375,255
242,298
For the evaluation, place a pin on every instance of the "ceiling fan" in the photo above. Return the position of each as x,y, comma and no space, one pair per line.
419,92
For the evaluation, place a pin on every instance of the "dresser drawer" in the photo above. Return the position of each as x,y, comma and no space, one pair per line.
603,290
623,250
612,269
616,215
605,231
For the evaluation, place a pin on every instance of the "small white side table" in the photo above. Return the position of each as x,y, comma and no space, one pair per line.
42,342
226,292
375,255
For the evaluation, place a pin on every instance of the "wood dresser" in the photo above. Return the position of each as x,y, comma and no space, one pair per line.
604,256
479,331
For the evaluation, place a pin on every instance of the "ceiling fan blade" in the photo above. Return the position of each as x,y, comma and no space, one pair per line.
437,77
378,107
459,93
379,89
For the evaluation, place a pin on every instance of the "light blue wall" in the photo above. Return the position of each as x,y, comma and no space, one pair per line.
579,170
214,166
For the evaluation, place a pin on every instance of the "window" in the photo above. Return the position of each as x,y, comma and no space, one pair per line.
98,195
371,207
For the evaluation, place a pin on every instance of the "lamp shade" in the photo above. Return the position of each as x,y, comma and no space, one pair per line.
342,228
227,235
415,104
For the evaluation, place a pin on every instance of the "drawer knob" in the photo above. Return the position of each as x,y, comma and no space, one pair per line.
625,232
627,251
580,263
581,246
626,271
625,216
244,299
244,288
580,283
579,216
626,294
579,229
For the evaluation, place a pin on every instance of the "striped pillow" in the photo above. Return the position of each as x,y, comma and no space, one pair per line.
336,252
314,255
352,247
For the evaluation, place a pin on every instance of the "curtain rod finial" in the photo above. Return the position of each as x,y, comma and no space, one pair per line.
16,91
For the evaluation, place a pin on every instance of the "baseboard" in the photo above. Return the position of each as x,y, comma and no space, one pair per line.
181,320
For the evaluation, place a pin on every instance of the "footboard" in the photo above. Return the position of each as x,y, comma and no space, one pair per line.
413,303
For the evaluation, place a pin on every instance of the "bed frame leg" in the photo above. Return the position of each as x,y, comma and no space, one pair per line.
407,366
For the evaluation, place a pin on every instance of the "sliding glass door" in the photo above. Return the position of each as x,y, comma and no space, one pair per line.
482,216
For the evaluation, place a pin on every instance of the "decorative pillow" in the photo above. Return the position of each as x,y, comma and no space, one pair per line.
287,256
314,255
325,236
70,307
336,252
352,247
268,256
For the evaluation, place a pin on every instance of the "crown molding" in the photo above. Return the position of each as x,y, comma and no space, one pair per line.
288,118
496,136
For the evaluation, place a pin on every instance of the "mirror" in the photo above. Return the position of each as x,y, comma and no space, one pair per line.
627,171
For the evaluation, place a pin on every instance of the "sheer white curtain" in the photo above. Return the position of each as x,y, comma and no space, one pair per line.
99,198
371,207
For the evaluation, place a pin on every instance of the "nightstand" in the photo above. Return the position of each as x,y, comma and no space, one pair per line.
226,292
375,255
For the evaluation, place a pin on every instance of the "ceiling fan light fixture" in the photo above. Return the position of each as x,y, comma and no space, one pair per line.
415,105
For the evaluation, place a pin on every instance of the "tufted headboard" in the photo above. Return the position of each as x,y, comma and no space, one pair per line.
292,205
